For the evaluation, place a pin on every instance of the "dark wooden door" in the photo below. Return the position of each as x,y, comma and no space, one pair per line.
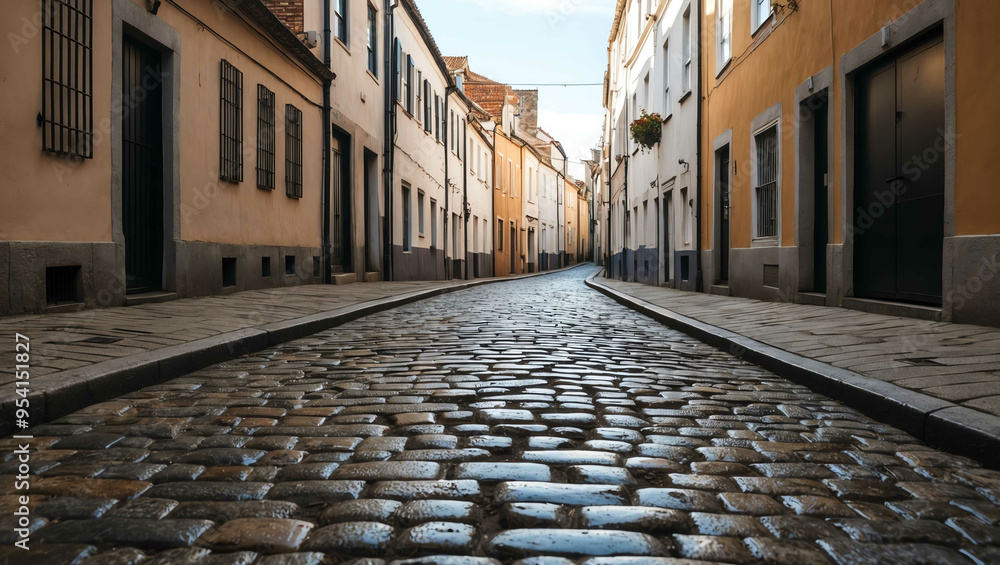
899,183
723,160
820,191
142,167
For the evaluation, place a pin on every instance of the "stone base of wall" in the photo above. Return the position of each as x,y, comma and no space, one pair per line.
22,275
199,267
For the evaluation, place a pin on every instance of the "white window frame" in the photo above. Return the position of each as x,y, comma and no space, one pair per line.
723,35
759,240
420,212
668,107
686,52
757,15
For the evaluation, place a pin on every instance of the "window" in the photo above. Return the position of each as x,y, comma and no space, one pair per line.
231,123
265,137
686,46
437,117
408,85
419,89
397,70
340,26
420,212
499,234
667,106
761,12
434,224
427,106
723,34
67,116
645,93
766,182
406,218
293,151
372,40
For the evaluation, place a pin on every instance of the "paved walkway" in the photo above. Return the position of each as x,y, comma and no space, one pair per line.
529,419
954,362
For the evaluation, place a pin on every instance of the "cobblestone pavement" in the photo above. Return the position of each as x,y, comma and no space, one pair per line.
509,422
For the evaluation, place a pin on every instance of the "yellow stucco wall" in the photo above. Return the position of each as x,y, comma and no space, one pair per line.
806,43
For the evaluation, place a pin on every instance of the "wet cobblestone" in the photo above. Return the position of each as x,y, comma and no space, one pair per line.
532,422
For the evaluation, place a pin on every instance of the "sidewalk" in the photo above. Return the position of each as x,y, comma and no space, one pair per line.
84,357
933,379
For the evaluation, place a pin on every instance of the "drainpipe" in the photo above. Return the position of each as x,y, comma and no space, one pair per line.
389,149
327,149
698,283
447,185
465,196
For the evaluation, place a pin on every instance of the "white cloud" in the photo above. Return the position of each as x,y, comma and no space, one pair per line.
551,8
578,133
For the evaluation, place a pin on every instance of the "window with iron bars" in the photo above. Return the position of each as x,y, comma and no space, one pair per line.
67,116
293,151
265,137
766,182
231,123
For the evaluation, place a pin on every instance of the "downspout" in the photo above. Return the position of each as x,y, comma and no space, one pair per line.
698,282
447,184
327,149
465,197
389,149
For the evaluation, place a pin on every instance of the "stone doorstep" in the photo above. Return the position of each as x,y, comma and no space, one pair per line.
57,394
940,423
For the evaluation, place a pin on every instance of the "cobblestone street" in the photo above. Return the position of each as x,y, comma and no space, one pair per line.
501,424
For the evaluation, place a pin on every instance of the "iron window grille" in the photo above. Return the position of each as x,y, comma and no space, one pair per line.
231,123
265,138
766,143
67,116
293,151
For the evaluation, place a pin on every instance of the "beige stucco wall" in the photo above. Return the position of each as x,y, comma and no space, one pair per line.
241,213
43,196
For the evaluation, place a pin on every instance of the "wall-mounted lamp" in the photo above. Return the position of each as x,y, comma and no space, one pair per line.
153,6
687,166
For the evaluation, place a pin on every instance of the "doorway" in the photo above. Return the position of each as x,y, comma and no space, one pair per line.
372,247
341,191
722,197
142,166
820,118
899,208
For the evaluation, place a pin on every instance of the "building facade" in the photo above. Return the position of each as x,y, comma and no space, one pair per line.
852,176
653,72
155,176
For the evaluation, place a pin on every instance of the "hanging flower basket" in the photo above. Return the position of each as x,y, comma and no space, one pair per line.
646,129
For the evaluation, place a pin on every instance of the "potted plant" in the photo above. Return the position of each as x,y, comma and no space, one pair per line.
646,129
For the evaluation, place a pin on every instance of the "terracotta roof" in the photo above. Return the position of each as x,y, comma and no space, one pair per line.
455,63
488,93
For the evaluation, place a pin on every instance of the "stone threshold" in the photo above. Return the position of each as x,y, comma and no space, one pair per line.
57,394
937,422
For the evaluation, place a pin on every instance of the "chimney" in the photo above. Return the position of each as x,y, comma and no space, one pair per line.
290,12
529,110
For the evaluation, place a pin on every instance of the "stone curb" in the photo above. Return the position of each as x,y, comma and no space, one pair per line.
58,394
939,423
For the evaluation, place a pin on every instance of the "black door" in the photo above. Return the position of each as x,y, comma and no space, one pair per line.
341,194
820,190
372,244
668,237
722,158
142,167
899,184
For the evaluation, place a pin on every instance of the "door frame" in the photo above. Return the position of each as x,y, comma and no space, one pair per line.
722,140
815,86
895,39
127,18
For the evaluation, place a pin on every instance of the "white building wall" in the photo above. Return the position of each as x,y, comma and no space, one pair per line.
547,217
479,156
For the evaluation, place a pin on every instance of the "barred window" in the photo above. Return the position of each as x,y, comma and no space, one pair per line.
231,124
265,137
766,182
67,116
293,151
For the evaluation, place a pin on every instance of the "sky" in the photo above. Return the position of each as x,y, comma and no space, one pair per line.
526,43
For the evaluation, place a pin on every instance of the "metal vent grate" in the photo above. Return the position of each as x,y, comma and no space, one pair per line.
62,285
101,340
